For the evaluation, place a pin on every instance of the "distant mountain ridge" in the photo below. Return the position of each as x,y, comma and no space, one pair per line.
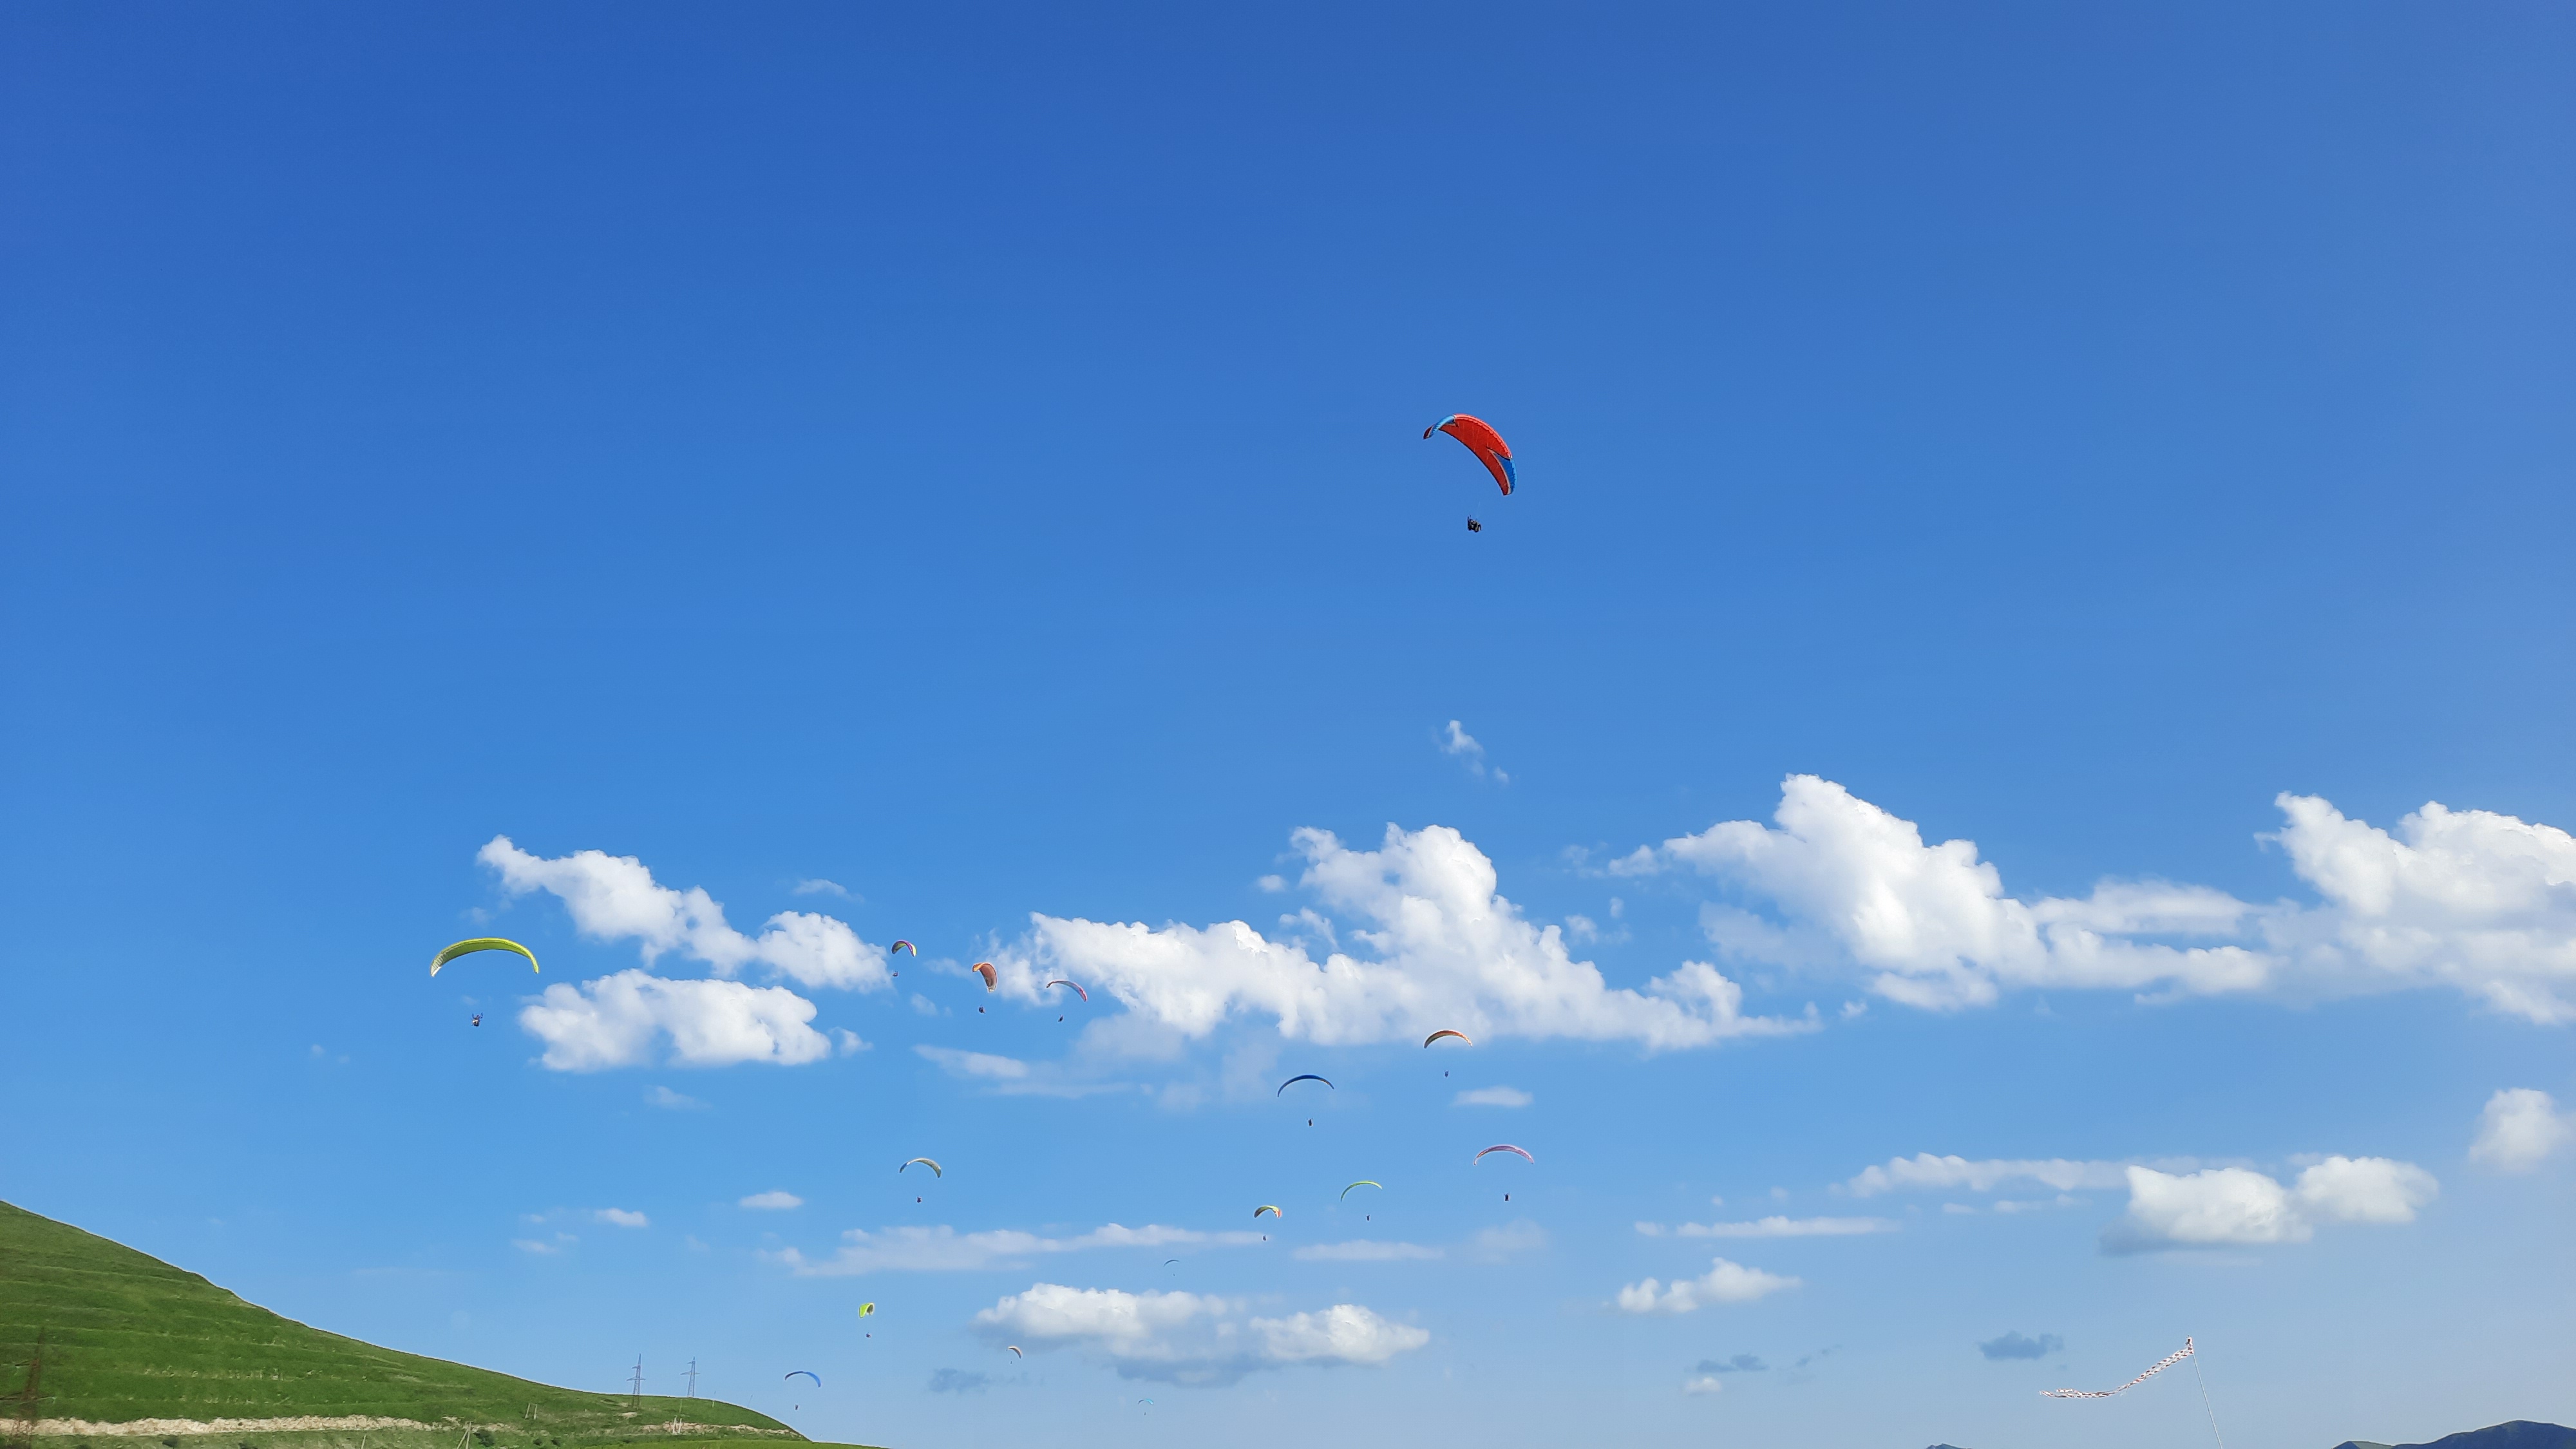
2515,1434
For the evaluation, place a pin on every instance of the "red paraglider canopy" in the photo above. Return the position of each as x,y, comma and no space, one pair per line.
1481,439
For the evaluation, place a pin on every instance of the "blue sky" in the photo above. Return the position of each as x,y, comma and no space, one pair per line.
956,476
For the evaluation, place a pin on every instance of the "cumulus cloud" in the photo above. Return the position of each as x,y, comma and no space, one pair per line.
821,887
617,1021
1775,1227
2361,1190
1703,1384
2519,1129
1364,1250
622,1217
614,898
946,1250
531,1245
2018,1345
2216,1205
2482,902
773,1202
1343,1333
1494,1097
2479,901
1190,1338
2237,1206
1854,885
1725,1282
671,1101
1443,950
1925,1172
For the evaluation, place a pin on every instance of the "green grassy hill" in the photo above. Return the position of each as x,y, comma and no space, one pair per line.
130,1337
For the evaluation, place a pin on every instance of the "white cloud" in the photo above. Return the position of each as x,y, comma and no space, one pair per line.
1272,884
946,1250
1189,1338
778,1200
2466,898
622,1217
531,1245
1051,1315
2038,1204
1456,741
1364,1250
1509,1240
850,1042
2237,1206
1725,1282
1925,1172
1447,952
1343,1333
1494,1097
614,898
1011,1077
2519,1129
616,1020
1856,886
1776,1227
2478,901
820,887
669,1100
1703,1384
2362,1190
1461,746
974,1066
2215,1205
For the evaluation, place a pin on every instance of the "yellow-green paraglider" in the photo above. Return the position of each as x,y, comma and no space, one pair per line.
481,943
867,1310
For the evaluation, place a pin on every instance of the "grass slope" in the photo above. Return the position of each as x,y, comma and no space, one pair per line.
128,1337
